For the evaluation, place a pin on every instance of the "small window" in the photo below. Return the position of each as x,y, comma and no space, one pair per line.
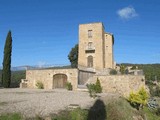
90,45
89,33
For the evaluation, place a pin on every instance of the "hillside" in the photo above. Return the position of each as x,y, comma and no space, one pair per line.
151,71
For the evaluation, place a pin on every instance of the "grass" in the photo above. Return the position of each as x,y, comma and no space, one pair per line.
76,114
11,116
150,114
120,109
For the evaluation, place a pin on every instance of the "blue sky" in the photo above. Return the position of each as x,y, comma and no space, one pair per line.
44,31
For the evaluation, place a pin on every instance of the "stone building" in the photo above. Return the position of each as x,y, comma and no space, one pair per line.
95,59
95,47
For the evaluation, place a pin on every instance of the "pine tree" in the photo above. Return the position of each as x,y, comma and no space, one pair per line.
6,73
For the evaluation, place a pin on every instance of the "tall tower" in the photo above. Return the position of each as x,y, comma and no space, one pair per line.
95,47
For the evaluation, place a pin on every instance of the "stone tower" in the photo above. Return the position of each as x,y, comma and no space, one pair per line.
95,47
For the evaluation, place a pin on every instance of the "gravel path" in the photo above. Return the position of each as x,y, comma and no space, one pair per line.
31,102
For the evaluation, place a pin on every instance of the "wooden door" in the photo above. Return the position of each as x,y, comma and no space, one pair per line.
59,81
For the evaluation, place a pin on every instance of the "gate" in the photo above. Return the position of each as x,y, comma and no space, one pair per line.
59,80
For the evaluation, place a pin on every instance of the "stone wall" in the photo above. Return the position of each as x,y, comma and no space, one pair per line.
46,77
122,84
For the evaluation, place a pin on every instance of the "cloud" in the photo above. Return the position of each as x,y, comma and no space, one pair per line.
127,13
41,64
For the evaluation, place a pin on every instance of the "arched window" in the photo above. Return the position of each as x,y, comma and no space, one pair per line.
90,61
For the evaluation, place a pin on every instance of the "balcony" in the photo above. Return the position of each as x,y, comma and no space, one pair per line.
90,49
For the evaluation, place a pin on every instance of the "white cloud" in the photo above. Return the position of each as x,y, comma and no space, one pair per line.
127,13
41,64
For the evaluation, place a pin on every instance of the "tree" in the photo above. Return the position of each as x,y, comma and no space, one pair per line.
73,56
122,69
6,73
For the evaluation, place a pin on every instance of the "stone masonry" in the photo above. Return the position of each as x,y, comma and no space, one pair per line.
95,47
95,58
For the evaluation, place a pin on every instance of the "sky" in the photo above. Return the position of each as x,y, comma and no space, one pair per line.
44,31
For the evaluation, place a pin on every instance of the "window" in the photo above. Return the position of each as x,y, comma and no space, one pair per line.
90,61
89,33
90,45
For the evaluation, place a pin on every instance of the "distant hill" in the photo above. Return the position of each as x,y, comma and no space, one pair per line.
151,71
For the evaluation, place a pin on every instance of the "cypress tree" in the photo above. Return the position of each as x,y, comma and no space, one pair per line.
6,73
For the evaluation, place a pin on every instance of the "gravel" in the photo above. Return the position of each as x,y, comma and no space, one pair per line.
32,102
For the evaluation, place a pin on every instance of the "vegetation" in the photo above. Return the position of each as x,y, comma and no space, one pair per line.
76,114
16,77
94,88
39,85
155,90
138,99
150,114
73,56
6,73
69,86
122,69
113,72
11,116
151,71
98,86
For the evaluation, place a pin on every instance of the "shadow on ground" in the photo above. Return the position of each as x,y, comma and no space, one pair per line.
97,111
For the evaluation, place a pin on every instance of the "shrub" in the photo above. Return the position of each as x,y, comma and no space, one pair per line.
157,91
79,114
138,99
69,86
94,88
122,69
39,85
133,67
158,111
113,72
98,86
154,91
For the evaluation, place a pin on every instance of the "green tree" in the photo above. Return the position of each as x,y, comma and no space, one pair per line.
73,56
98,86
6,73
122,69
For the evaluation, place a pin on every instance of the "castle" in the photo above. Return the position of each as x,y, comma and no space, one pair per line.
95,59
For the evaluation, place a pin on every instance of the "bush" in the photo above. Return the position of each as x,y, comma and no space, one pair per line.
138,99
79,114
157,91
158,111
94,88
69,86
39,85
113,72
98,86
122,69
154,91
133,67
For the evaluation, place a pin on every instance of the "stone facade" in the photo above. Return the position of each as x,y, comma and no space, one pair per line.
95,59
47,77
95,47
122,84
